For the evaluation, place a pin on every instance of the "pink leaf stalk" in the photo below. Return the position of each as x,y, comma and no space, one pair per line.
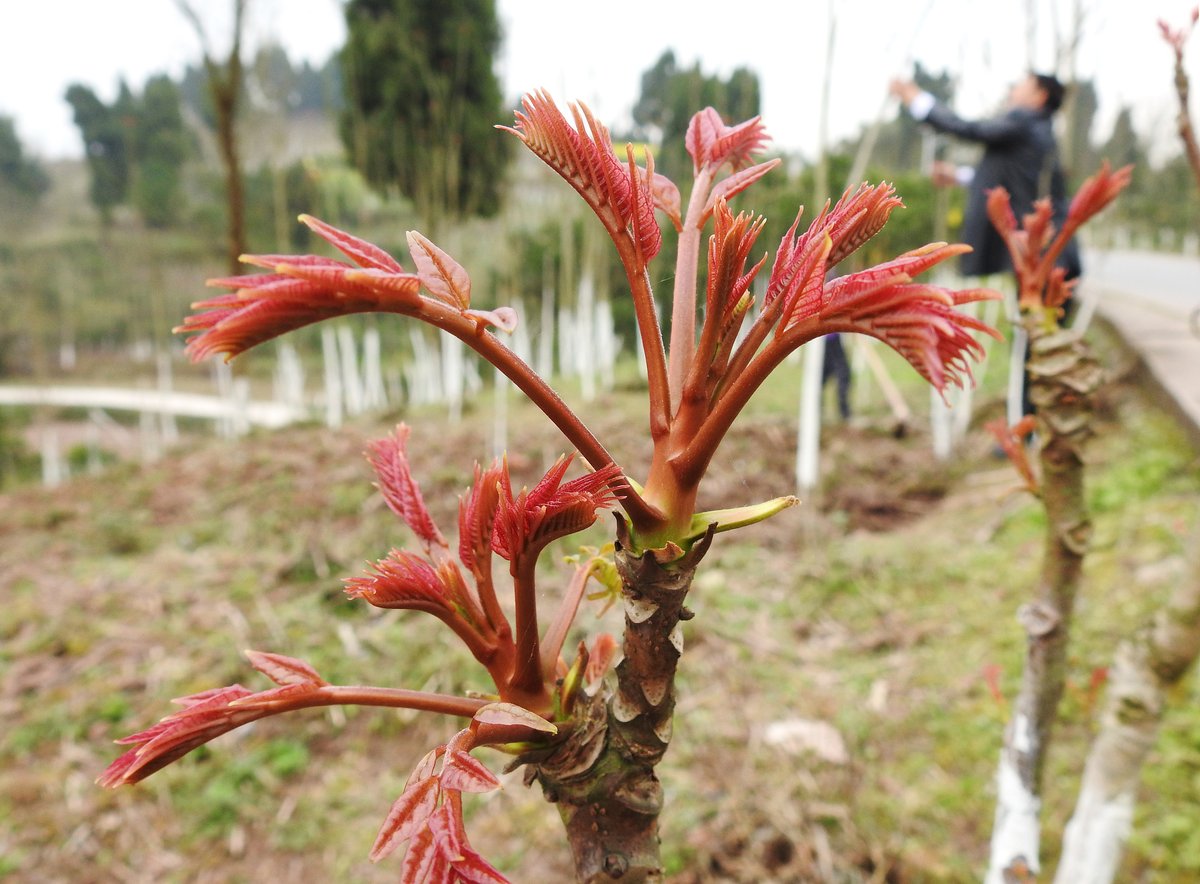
525,524
209,714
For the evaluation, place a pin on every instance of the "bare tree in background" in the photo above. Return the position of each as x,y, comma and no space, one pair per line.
225,87
1177,38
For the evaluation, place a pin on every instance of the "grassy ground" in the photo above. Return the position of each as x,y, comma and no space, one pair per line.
877,608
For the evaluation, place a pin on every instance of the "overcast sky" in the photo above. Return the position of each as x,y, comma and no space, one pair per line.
597,51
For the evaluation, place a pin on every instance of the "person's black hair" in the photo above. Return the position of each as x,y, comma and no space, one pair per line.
1055,91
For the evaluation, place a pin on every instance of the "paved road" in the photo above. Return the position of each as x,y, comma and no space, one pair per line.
1148,299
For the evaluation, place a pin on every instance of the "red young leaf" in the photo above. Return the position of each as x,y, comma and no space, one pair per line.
1011,441
477,515
300,290
553,509
665,195
408,816
1035,246
442,276
270,262
503,318
727,188
425,767
451,839
389,457
583,155
402,580
284,670
858,216
205,717
604,649
465,773
361,252
423,862
711,143
1098,191
506,722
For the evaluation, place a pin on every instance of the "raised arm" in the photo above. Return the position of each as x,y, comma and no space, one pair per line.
925,108
998,130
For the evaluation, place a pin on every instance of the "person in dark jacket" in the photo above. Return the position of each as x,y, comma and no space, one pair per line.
1020,154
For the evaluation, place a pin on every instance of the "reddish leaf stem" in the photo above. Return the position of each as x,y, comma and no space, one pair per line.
527,670
683,307
366,695
556,634
541,394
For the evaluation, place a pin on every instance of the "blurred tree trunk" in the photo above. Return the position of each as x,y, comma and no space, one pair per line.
225,87
1146,666
1063,380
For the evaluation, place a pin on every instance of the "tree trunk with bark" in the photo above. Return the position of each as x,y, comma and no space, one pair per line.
225,98
1183,120
1145,667
603,776
1063,379
225,87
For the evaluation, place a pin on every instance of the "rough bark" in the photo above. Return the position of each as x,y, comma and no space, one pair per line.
1063,379
225,87
1145,667
603,776
1183,121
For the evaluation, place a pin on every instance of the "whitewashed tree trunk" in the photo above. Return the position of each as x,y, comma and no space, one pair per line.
94,464
566,342
520,341
424,372
151,444
241,406
545,353
472,379
1146,666
500,385
333,378
289,376
941,425
54,469
453,374
352,387
808,434
585,334
223,378
608,344
166,420
67,355
374,393
1016,831
1014,399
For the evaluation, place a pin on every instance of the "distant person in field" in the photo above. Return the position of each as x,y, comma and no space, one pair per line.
836,367
1020,154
